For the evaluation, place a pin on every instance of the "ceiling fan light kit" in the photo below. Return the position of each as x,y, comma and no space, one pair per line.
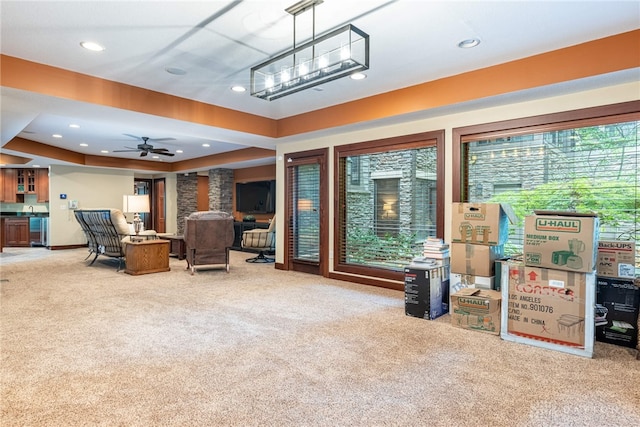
338,53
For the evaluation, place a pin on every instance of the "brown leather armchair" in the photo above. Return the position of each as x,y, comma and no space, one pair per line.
208,236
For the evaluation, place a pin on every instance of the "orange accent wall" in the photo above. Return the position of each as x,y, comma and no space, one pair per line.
203,193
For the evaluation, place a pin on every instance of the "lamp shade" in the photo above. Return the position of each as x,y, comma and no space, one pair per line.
135,203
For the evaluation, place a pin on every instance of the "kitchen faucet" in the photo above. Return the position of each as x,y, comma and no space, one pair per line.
31,207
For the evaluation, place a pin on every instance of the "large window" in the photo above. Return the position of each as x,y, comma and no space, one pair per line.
589,164
386,214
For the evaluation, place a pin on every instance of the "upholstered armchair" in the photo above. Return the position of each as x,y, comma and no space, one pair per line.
208,236
260,240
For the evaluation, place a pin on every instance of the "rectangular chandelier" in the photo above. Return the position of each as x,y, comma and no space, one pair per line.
339,53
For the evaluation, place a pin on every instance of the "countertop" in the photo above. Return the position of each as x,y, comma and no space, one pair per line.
24,214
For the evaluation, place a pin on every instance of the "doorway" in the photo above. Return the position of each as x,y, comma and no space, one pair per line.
306,220
155,188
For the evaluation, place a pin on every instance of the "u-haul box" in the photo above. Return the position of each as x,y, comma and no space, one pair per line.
481,223
561,241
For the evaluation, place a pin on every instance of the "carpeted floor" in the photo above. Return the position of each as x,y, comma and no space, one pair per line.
84,346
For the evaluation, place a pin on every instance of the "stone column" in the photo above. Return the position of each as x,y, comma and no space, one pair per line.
221,190
187,189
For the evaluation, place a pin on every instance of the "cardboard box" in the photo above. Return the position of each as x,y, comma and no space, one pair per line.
481,223
616,258
547,306
561,241
476,309
475,260
617,306
460,281
426,291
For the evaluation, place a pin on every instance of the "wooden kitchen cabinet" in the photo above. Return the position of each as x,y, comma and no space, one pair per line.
42,185
16,232
9,186
15,183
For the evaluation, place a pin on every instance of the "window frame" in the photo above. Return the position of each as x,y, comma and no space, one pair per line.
593,116
346,271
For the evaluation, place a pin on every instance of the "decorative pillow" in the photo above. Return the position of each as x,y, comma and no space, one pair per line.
120,222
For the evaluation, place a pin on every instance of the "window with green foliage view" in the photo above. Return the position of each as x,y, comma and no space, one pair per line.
582,169
390,208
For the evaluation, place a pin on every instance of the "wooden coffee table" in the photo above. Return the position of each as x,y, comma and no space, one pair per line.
147,256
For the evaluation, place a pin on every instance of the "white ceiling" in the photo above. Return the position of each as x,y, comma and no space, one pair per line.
217,42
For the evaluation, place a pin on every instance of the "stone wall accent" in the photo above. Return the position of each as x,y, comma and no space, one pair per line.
187,190
221,190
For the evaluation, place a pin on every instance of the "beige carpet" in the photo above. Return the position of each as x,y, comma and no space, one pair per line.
85,346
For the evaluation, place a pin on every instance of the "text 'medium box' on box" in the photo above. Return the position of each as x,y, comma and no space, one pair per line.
561,240
617,302
616,258
481,223
476,309
548,308
475,260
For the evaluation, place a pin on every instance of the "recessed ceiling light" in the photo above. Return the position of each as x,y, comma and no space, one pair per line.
238,89
56,135
84,144
155,157
104,151
358,76
206,145
95,47
36,166
74,126
179,151
469,43
176,71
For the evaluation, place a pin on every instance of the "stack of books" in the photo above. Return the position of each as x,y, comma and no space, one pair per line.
436,249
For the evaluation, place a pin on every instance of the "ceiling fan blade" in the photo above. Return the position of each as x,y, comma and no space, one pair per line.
132,136
126,151
161,139
166,154
157,150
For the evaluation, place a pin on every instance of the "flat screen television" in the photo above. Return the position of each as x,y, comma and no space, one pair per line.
256,197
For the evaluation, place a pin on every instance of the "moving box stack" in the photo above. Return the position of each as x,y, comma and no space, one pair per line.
549,297
426,282
478,234
617,294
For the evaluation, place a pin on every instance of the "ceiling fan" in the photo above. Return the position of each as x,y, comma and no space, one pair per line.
145,148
